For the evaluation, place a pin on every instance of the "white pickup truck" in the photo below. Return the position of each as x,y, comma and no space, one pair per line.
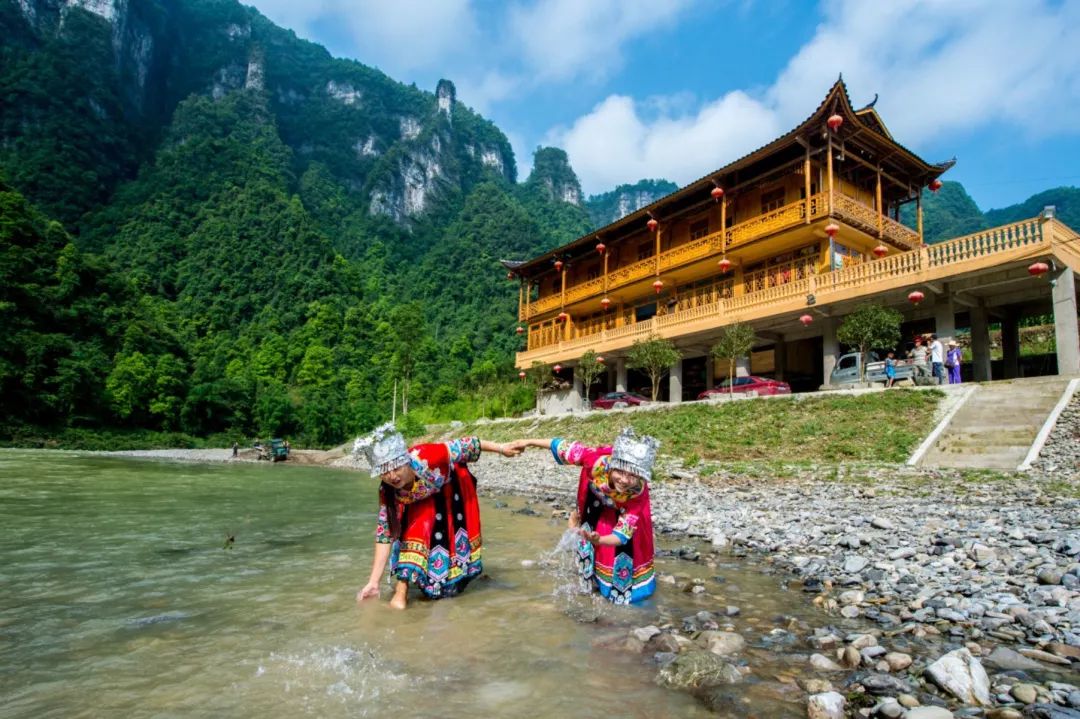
846,370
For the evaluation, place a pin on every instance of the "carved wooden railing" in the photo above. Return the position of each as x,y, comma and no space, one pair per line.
1022,239
767,224
779,274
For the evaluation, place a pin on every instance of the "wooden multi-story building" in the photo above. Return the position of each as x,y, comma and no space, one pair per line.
809,224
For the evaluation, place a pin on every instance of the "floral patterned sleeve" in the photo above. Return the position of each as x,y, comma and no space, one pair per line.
382,526
569,452
464,450
624,528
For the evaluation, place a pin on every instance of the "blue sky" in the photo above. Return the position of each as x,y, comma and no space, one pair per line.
676,88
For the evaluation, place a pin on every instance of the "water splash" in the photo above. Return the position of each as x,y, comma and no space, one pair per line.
342,674
574,595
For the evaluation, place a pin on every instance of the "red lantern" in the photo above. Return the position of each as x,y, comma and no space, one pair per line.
600,247
557,368
831,229
881,251
725,264
806,320
834,122
605,303
521,330
915,297
1038,268
717,193
563,317
600,360
521,374
558,265
509,275
935,185
652,224
658,285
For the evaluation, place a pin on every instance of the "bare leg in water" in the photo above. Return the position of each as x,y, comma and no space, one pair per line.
401,595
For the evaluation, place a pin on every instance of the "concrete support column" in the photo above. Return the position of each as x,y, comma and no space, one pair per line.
780,358
1066,330
620,375
830,349
578,395
742,367
710,371
944,319
675,383
980,344
1010,345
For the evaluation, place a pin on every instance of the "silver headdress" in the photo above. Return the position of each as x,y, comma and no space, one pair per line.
634,454
384,449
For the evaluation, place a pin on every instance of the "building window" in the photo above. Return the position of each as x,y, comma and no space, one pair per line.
644,251
772,200
699,229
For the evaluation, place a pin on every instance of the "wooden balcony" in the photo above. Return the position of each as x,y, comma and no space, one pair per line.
978,251
784,218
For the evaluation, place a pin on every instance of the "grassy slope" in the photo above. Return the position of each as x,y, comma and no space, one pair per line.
877,427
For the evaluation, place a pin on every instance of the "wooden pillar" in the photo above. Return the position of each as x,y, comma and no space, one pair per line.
918,215
521,300
607,251
562,305
723,223
828,169
806,176
880,216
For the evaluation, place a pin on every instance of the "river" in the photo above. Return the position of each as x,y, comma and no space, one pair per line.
120,595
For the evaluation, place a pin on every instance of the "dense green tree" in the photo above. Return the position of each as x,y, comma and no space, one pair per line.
870,326
735,341
654,356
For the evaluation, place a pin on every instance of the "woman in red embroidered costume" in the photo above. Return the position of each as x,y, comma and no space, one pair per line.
613,515
429,519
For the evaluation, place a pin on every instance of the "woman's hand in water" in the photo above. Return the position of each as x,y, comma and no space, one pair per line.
590,536
371,589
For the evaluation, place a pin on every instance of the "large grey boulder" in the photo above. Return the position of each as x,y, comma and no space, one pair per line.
963,676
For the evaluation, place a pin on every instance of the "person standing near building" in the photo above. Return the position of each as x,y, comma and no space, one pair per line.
890,369
952,362
919,355
937,359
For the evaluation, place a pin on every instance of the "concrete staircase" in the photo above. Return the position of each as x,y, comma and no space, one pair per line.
995,428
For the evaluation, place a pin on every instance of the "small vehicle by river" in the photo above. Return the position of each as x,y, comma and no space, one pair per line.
277,450
847,367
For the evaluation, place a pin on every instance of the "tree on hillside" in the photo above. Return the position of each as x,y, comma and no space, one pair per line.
867,327
735,341
654,356
589,368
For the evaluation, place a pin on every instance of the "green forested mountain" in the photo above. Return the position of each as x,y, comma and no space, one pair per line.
607,207
247,234
1066,201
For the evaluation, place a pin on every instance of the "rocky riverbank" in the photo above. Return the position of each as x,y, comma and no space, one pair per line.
971,567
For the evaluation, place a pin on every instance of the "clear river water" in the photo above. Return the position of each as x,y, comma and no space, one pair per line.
119,596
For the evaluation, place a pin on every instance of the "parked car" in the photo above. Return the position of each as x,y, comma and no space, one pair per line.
846,370
619,399
754,386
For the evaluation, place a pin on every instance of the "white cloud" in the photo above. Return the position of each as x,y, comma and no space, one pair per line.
399,37
940,67
567,39
613,144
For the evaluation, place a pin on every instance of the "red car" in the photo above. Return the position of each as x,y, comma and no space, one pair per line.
619,399
759,386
